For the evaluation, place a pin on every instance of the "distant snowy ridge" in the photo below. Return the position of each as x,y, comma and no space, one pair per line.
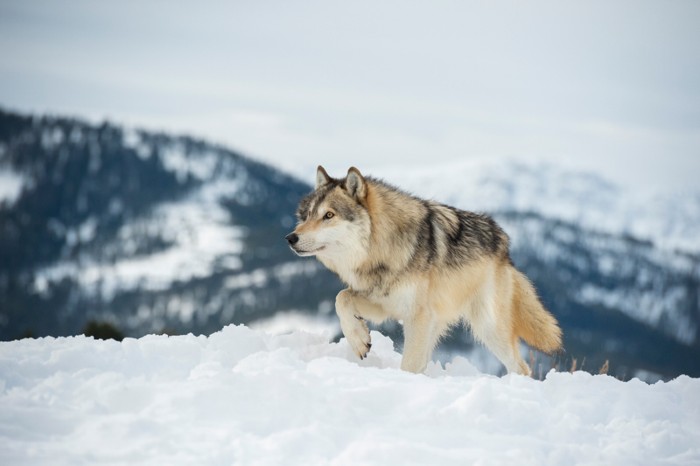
200,235
197,229
659,295
247,397
669,220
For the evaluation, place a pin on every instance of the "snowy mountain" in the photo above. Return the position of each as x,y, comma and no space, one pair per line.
147,231
247,397
158,233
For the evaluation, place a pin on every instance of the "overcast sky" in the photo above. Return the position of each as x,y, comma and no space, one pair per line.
608,86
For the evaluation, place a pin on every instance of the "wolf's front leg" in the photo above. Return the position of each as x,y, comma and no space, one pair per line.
352,311
421,333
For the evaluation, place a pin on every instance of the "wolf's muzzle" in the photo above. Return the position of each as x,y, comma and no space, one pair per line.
292,239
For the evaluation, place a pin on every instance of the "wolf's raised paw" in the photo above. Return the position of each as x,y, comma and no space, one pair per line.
357,334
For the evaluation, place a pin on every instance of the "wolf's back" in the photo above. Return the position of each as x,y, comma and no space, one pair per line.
532,322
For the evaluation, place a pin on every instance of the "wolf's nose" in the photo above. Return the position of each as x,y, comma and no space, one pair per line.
292,239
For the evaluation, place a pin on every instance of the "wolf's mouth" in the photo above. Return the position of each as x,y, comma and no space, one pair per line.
307,253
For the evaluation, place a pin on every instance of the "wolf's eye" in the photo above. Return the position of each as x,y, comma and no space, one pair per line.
328,216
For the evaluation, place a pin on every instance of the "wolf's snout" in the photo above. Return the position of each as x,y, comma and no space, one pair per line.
292,239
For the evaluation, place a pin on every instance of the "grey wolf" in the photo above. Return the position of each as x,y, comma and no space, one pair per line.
426,264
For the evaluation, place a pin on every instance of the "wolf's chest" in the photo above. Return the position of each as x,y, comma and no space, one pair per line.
400,302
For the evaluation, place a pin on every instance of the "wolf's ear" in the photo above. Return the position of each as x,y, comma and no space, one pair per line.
322,177
355,184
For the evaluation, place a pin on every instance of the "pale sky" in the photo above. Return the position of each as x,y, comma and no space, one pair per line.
612,87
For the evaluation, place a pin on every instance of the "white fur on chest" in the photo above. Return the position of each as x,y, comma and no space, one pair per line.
400,303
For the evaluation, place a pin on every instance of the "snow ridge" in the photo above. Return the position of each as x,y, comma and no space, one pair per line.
197,228
247,397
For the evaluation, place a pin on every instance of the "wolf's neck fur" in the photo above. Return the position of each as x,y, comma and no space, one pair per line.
388,253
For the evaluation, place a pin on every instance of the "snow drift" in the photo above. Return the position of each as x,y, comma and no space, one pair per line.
247,397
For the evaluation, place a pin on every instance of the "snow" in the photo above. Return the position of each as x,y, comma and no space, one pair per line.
51,137
201,166
645,305
200,232
242,396
11,184
131,138
650,297
288,321
84,233
260,277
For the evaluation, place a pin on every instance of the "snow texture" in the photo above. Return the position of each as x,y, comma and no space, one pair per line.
11,184
243,396
199,229
201,235
651,300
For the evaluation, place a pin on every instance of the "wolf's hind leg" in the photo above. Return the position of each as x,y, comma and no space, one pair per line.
504,347
497,335
352,311
421,334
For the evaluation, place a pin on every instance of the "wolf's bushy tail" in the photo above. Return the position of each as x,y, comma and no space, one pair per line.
531,321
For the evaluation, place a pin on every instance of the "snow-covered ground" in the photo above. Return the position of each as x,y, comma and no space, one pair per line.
243,396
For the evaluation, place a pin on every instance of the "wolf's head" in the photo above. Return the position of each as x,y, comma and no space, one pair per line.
333,221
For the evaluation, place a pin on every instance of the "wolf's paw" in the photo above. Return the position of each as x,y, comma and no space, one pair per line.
357,333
